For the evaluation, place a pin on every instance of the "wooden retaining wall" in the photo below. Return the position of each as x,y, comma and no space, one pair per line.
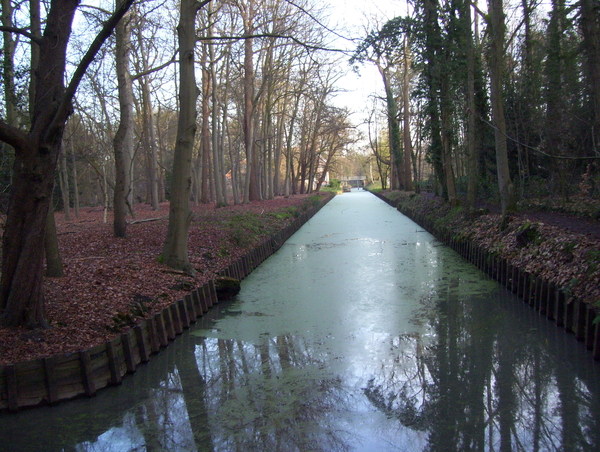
62,377
549,300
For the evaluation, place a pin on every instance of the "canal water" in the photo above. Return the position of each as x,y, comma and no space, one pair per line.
362,333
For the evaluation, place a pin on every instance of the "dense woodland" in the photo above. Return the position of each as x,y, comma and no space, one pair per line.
231,101
503,98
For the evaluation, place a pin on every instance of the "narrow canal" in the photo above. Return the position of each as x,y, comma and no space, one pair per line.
362,333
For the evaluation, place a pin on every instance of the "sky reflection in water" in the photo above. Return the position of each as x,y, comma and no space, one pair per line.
362,333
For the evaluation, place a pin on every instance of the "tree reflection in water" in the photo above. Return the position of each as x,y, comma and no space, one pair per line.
271,396
475,383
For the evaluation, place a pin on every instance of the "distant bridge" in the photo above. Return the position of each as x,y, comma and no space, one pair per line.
354,181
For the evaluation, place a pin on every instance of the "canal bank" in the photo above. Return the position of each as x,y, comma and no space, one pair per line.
55,378
557,274
363,333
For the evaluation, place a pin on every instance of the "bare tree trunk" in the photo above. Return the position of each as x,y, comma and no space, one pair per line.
406,94
251,186
393,131
149,128
123,141
175,248
36,154
75,177
471,135
205,141
36,24
496,63
54,267
64,184
590,26
447,161
277,154
149,135
220,190
226,135
10,100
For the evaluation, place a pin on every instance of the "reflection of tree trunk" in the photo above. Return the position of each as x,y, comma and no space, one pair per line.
265,361
481,334
148,421
193,386
446,369
505,383
569,411
538,382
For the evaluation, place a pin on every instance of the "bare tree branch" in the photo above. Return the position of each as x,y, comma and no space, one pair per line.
269,35
107,29
157,68
21,31
12,135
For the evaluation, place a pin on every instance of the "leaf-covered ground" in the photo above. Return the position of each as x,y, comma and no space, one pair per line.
110,284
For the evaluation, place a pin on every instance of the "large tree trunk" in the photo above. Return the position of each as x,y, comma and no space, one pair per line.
54,267
446,117
590,26
406,133
175,248
251,189
75,177
10,99
123,141
36,154
149,129
53,260
393,131
432,77
205,139
471,135
496,62
217,151
64,184
22,296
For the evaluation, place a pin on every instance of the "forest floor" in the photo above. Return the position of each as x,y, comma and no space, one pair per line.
110,284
